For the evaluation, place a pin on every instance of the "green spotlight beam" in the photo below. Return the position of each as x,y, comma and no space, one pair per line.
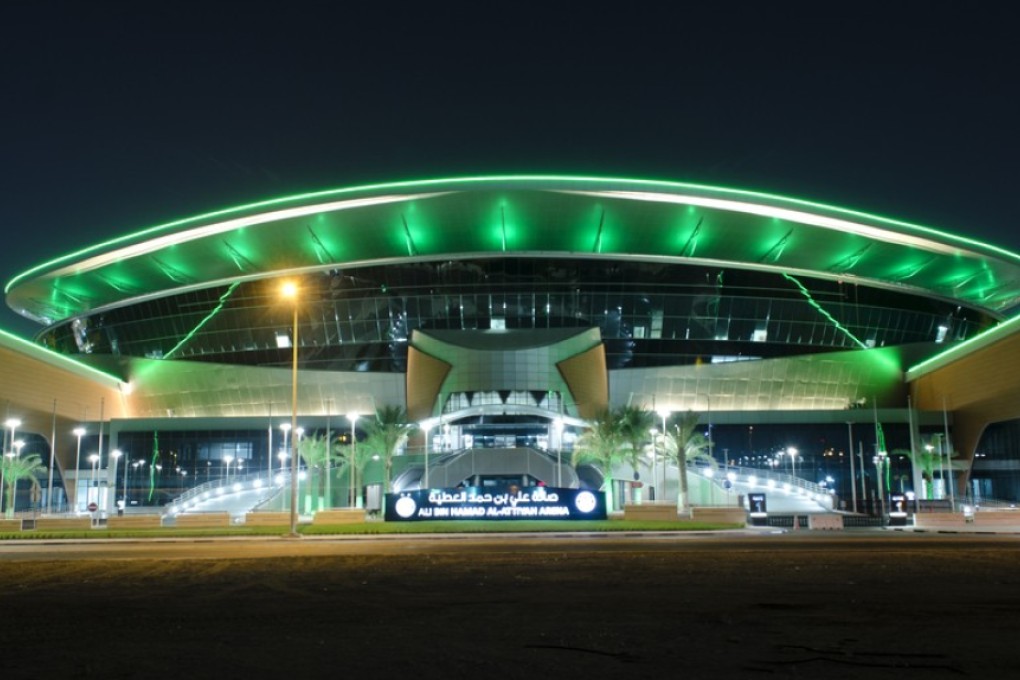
203,322
821,310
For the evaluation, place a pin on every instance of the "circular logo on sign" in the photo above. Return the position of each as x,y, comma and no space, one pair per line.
405,506
585,501
93,506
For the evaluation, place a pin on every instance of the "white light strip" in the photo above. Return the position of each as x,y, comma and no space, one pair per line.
797,216
161,242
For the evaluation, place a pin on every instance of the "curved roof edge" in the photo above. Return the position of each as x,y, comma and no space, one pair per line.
1000,287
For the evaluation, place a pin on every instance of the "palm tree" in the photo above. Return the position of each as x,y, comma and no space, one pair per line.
602,443
635,427
318,453
387,433
16,468
687,445
926,460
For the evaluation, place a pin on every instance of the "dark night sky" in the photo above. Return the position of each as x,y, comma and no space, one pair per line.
116,116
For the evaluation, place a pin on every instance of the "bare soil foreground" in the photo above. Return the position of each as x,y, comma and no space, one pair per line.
749,606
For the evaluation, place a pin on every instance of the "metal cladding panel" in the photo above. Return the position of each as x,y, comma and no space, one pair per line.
193,389
826,382
586,376
509,360
425,376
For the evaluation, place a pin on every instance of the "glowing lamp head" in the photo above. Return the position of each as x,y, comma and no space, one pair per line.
289,290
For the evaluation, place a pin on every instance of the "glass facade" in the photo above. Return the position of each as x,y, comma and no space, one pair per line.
649,314
996,470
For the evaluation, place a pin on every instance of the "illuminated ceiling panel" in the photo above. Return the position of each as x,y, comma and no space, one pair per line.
560,216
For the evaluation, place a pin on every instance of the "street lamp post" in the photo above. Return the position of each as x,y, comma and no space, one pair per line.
352,465
426,426
792,452
283,453
664,414
930,492
559,452
327,464
79,432
290,290
655,475
850,451
708,399
126,461
9,454
94,459
228,460
16,445
116,454
880,461
12,424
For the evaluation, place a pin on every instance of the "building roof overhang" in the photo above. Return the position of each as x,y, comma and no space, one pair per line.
519,215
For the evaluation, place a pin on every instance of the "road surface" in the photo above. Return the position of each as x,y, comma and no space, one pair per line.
754,604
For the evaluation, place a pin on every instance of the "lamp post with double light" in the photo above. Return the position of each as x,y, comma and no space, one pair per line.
11,424
79,432
15,452
290,291
3,478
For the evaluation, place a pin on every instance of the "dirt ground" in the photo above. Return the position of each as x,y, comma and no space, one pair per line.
700,612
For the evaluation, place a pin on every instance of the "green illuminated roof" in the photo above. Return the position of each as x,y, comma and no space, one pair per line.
542,215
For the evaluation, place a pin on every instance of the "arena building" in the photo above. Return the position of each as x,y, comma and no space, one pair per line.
502,313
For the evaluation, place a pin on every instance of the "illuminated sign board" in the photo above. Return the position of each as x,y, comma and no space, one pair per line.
477,502
758,509
756,501
897,509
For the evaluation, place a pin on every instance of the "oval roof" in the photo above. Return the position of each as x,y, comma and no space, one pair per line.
542,215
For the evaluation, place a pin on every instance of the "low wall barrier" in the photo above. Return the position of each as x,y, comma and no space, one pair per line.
134,522
723,515
267,519
339,516
202,520
650,511
63,523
